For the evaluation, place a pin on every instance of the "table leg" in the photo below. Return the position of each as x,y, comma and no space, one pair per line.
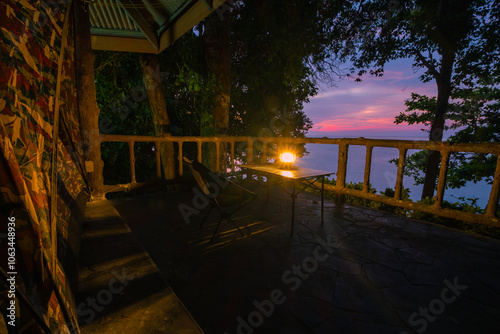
267,186
293,207
322,196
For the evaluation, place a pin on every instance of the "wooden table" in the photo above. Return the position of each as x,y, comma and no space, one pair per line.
297,176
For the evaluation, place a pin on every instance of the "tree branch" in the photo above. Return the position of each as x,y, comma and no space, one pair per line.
430,66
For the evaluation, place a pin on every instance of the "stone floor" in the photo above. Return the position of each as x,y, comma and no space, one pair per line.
361,271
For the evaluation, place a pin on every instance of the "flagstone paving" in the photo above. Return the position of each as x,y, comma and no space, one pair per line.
361,271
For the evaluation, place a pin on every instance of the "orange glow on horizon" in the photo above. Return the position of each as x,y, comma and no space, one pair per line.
361,124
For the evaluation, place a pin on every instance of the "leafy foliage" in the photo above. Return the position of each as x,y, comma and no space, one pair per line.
122,99
278,57
121,95
474,115
189,86
371,33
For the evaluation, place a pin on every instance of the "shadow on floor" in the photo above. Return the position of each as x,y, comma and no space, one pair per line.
362,271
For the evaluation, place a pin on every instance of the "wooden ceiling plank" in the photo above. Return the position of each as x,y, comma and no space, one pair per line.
93,20
104,16
111,16
116,12
126,19
98,16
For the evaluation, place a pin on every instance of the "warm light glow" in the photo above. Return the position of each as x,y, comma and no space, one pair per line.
286,173
287,157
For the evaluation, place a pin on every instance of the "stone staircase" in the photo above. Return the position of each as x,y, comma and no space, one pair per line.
120,289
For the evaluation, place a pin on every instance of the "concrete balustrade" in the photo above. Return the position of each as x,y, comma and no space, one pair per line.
247,146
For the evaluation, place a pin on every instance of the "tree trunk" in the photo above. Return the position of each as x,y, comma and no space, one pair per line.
152,81
87,102
436,134
218,58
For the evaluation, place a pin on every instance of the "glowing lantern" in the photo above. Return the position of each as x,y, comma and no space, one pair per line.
287,157
286,160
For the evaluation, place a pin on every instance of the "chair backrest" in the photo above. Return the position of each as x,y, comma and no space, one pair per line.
213,185
202,183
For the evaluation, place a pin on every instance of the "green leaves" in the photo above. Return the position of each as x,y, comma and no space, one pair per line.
474,116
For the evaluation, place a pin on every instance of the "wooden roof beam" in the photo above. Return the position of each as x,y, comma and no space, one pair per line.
194,15
209,4
122,44
141,22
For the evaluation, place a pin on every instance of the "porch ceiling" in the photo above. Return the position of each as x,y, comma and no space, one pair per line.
147,26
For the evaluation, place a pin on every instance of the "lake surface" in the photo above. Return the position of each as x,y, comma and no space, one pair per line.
383,173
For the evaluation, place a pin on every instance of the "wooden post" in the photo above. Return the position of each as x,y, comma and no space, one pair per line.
341,171
200,156
264,151
249,152
217,157
232,156
399,178
445,157
87,102
158,159
368,167
180,157
152,81
132,161
491,209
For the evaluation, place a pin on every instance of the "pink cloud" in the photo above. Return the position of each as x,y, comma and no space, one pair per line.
369,106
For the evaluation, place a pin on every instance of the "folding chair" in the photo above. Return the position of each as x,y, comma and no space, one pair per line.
225,196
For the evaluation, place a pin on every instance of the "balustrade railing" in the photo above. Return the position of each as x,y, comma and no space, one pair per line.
489,217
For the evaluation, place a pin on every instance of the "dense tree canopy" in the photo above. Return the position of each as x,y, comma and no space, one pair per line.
278,56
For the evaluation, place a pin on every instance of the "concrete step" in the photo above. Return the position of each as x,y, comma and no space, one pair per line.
120,289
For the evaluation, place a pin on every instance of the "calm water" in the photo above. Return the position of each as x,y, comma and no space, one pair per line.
383,173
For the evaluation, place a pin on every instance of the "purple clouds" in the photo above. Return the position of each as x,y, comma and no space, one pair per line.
368,108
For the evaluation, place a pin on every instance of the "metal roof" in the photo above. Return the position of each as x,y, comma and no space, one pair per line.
147,26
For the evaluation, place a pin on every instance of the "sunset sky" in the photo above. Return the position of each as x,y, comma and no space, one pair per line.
367,109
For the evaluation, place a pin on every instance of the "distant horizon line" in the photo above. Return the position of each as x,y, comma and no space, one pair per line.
383,134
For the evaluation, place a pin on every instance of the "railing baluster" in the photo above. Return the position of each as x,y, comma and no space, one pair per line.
181,171
217,156
445,158
249,151
341,170
491,209
399,177
158,158
232,156
132,161
264,151
200,144
368,167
